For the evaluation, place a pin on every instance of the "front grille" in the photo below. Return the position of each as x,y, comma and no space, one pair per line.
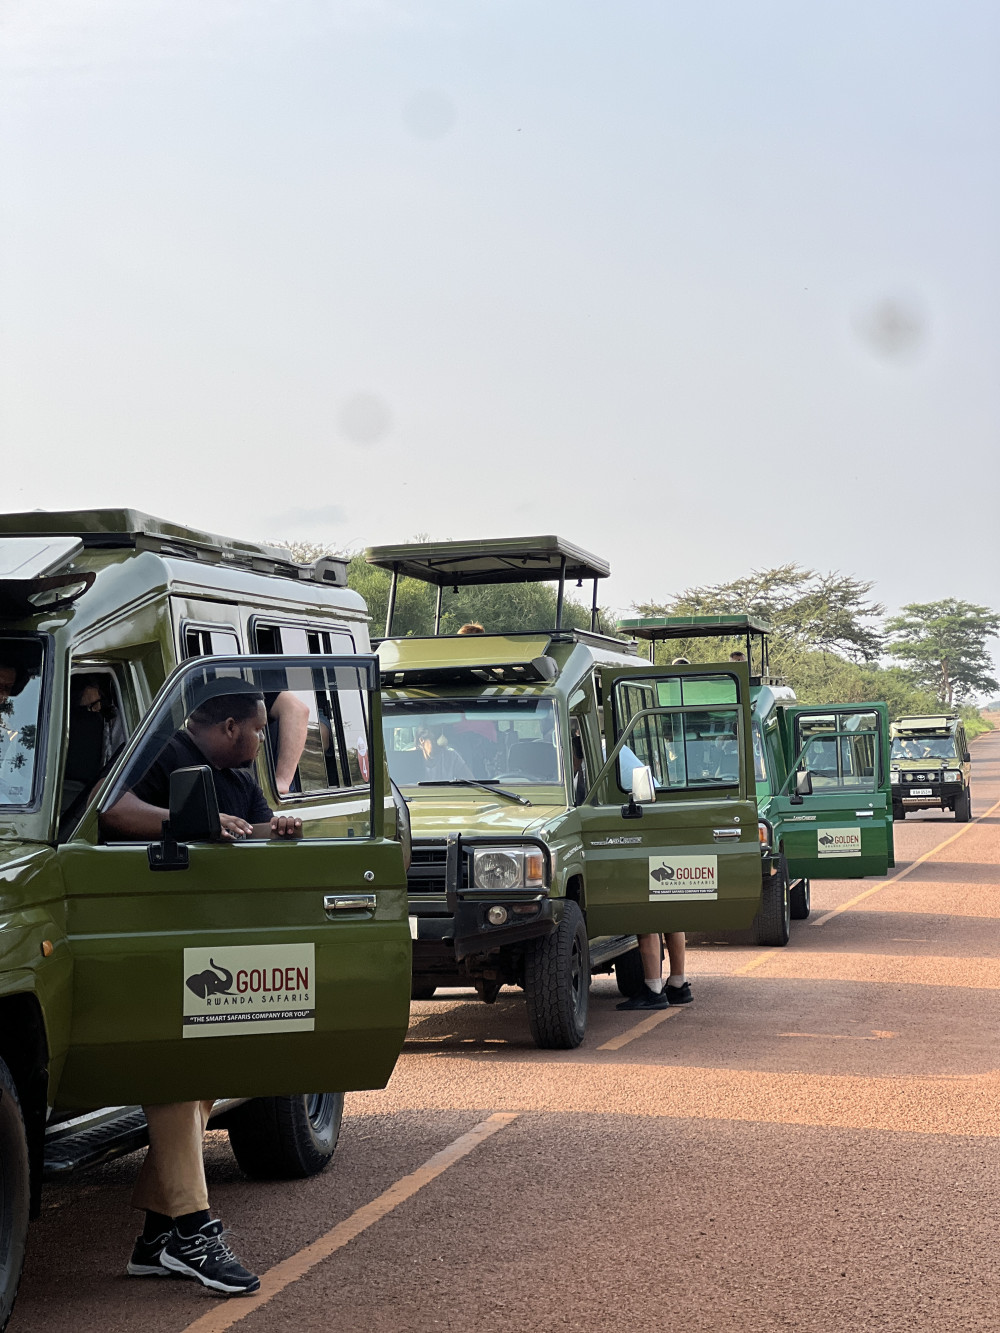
428,867
917,778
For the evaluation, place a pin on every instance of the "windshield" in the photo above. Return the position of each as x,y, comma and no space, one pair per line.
513,741
924,747
20,707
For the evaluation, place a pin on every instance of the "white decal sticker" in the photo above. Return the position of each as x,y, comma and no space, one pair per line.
684,879
253,988
838,842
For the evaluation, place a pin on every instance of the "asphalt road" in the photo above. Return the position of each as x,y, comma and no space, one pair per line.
811,1145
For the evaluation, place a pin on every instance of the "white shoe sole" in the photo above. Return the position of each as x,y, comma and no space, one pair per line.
146,1270
179,1266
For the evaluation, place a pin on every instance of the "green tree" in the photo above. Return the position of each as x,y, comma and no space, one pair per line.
943,645
806,610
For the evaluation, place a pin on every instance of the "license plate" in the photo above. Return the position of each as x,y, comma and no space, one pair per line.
413,927
920,791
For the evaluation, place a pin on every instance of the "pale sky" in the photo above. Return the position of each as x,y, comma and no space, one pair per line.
700,285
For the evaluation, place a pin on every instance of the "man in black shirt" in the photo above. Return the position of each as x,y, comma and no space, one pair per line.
224,731
180,1235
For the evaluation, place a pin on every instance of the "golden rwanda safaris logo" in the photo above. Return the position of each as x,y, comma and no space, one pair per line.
685,879
249,989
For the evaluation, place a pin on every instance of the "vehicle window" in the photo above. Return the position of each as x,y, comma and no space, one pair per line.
686,748
759,761
21,663
509,740
191,727
687,690
924,747
335,753
578,757
840,750
210,643
96,735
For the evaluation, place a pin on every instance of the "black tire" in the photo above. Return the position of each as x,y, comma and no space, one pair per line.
898,814
286,1138
629,973
963,806
15,1193
772,924
557,983
800,900
422,990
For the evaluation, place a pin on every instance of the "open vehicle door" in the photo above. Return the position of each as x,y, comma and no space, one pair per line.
837,822
691,860
249,968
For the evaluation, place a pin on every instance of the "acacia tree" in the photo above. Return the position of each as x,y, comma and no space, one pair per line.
943,645
804,608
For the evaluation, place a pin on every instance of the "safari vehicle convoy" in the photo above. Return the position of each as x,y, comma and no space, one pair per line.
536,858
931,765
822,777
147,971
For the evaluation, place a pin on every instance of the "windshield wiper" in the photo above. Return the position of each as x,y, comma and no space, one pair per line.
487,784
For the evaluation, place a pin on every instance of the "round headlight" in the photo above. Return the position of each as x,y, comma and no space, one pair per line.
497,870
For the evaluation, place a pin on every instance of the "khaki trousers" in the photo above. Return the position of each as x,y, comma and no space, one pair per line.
172,1178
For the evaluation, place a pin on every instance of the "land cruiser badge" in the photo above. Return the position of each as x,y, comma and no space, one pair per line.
683,879
247,989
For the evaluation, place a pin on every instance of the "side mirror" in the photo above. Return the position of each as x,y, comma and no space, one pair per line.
966,758
803,786
194,817
643,787
194,806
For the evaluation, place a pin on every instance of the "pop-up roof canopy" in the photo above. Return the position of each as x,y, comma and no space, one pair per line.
700,627
500,560
109,528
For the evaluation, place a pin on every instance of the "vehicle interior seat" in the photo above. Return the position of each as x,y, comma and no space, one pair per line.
537,759
406,766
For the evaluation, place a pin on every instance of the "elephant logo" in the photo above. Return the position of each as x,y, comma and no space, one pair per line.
663,874
207,983
826,840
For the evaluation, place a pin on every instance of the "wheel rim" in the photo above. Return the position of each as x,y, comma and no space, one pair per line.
320,1110
580,981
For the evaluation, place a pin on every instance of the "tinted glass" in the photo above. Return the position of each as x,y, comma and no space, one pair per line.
924,747
20,714
513,741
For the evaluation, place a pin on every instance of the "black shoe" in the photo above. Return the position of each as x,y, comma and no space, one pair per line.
145,1261
206,1257
646,999
678,994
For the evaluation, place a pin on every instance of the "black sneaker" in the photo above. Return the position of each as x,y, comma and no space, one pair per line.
678,994
145,1261
206,1257
646,999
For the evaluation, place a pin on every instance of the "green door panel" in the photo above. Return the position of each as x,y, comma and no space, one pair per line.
844,829
667,871
338,989
833,836
692,861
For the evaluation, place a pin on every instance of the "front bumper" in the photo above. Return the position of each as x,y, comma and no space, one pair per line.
452,912
930,795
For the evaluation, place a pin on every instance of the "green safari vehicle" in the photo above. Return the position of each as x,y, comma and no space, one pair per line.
931,765
822,776
134,972
538,857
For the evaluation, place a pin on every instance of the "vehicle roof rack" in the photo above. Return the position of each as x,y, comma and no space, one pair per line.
131,528
498,560
722,626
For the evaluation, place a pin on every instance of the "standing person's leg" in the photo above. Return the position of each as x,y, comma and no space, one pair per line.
651,996
678,988
180,1234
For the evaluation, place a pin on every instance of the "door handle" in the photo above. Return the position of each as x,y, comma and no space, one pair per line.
720,833
336,903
